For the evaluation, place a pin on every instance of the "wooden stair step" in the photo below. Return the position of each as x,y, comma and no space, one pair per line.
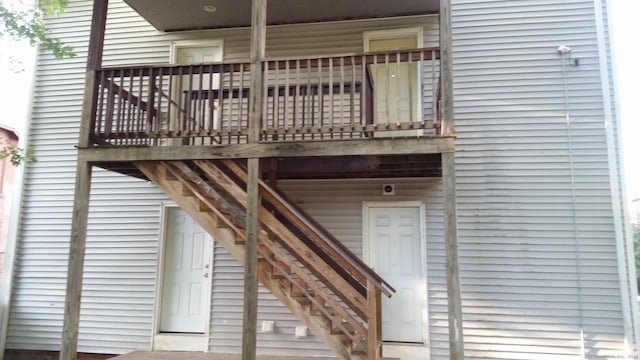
302,299
335,329
359,348
276,273
263,249
221,223
315,311
296,290
344,339
204,207
239,239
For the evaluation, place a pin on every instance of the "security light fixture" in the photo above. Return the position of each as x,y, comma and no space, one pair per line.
209,8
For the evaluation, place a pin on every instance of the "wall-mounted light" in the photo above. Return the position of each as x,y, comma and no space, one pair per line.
209,8
565,52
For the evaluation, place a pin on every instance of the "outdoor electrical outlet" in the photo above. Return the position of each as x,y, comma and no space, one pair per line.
301,332
268,327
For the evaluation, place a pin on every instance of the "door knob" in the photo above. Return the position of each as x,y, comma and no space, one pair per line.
206,275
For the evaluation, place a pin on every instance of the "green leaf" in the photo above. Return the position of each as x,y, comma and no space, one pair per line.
30,26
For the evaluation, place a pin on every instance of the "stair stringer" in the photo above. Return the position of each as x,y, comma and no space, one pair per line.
226,237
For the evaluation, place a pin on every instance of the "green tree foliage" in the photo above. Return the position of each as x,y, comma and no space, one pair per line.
17,155
28,24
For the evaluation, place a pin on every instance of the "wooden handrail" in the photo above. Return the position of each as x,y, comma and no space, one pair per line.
327,241
216,67
326,238
349,290
369,57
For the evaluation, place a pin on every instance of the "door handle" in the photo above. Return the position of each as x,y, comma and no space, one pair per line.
206,275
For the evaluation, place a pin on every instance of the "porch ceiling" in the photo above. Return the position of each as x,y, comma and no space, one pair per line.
330,167
171,15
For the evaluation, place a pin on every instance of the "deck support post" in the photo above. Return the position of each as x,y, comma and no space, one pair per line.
79,220
257,54
77,245
454,302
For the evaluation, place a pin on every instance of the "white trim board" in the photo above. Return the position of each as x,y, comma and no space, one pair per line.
175,45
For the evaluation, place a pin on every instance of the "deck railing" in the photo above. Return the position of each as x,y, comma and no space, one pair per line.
335,97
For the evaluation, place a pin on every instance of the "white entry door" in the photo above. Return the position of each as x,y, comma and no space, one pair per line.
397,85
186,289
201,113
395,253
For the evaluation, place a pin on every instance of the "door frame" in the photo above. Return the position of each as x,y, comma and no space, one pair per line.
176,341
176,45
399,33
366,255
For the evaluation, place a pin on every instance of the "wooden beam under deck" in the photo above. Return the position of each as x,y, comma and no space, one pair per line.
400,146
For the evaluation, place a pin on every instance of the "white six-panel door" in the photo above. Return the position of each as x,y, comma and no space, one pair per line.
186,286
395,253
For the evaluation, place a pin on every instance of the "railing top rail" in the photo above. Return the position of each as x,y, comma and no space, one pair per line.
336,245
426,50
166,68
216,65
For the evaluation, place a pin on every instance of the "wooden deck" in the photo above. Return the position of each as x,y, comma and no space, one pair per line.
171,355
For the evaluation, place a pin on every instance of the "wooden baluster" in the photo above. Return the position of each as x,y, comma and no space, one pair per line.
309,92
128,124
100,116
220,100
398,87
331,102
265,95
363,92
157,128
151,91
276,100
297,104
172,114
180,106
341,118
210,126
240,98
140,108
374,321
320,94
387,83
188,102
410,70
434,89
230,96
120,109
352,116
286,95
200,119
375,94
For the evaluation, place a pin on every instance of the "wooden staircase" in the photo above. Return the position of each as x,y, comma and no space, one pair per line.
314,275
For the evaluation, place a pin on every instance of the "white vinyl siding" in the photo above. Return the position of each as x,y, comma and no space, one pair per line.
538,260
